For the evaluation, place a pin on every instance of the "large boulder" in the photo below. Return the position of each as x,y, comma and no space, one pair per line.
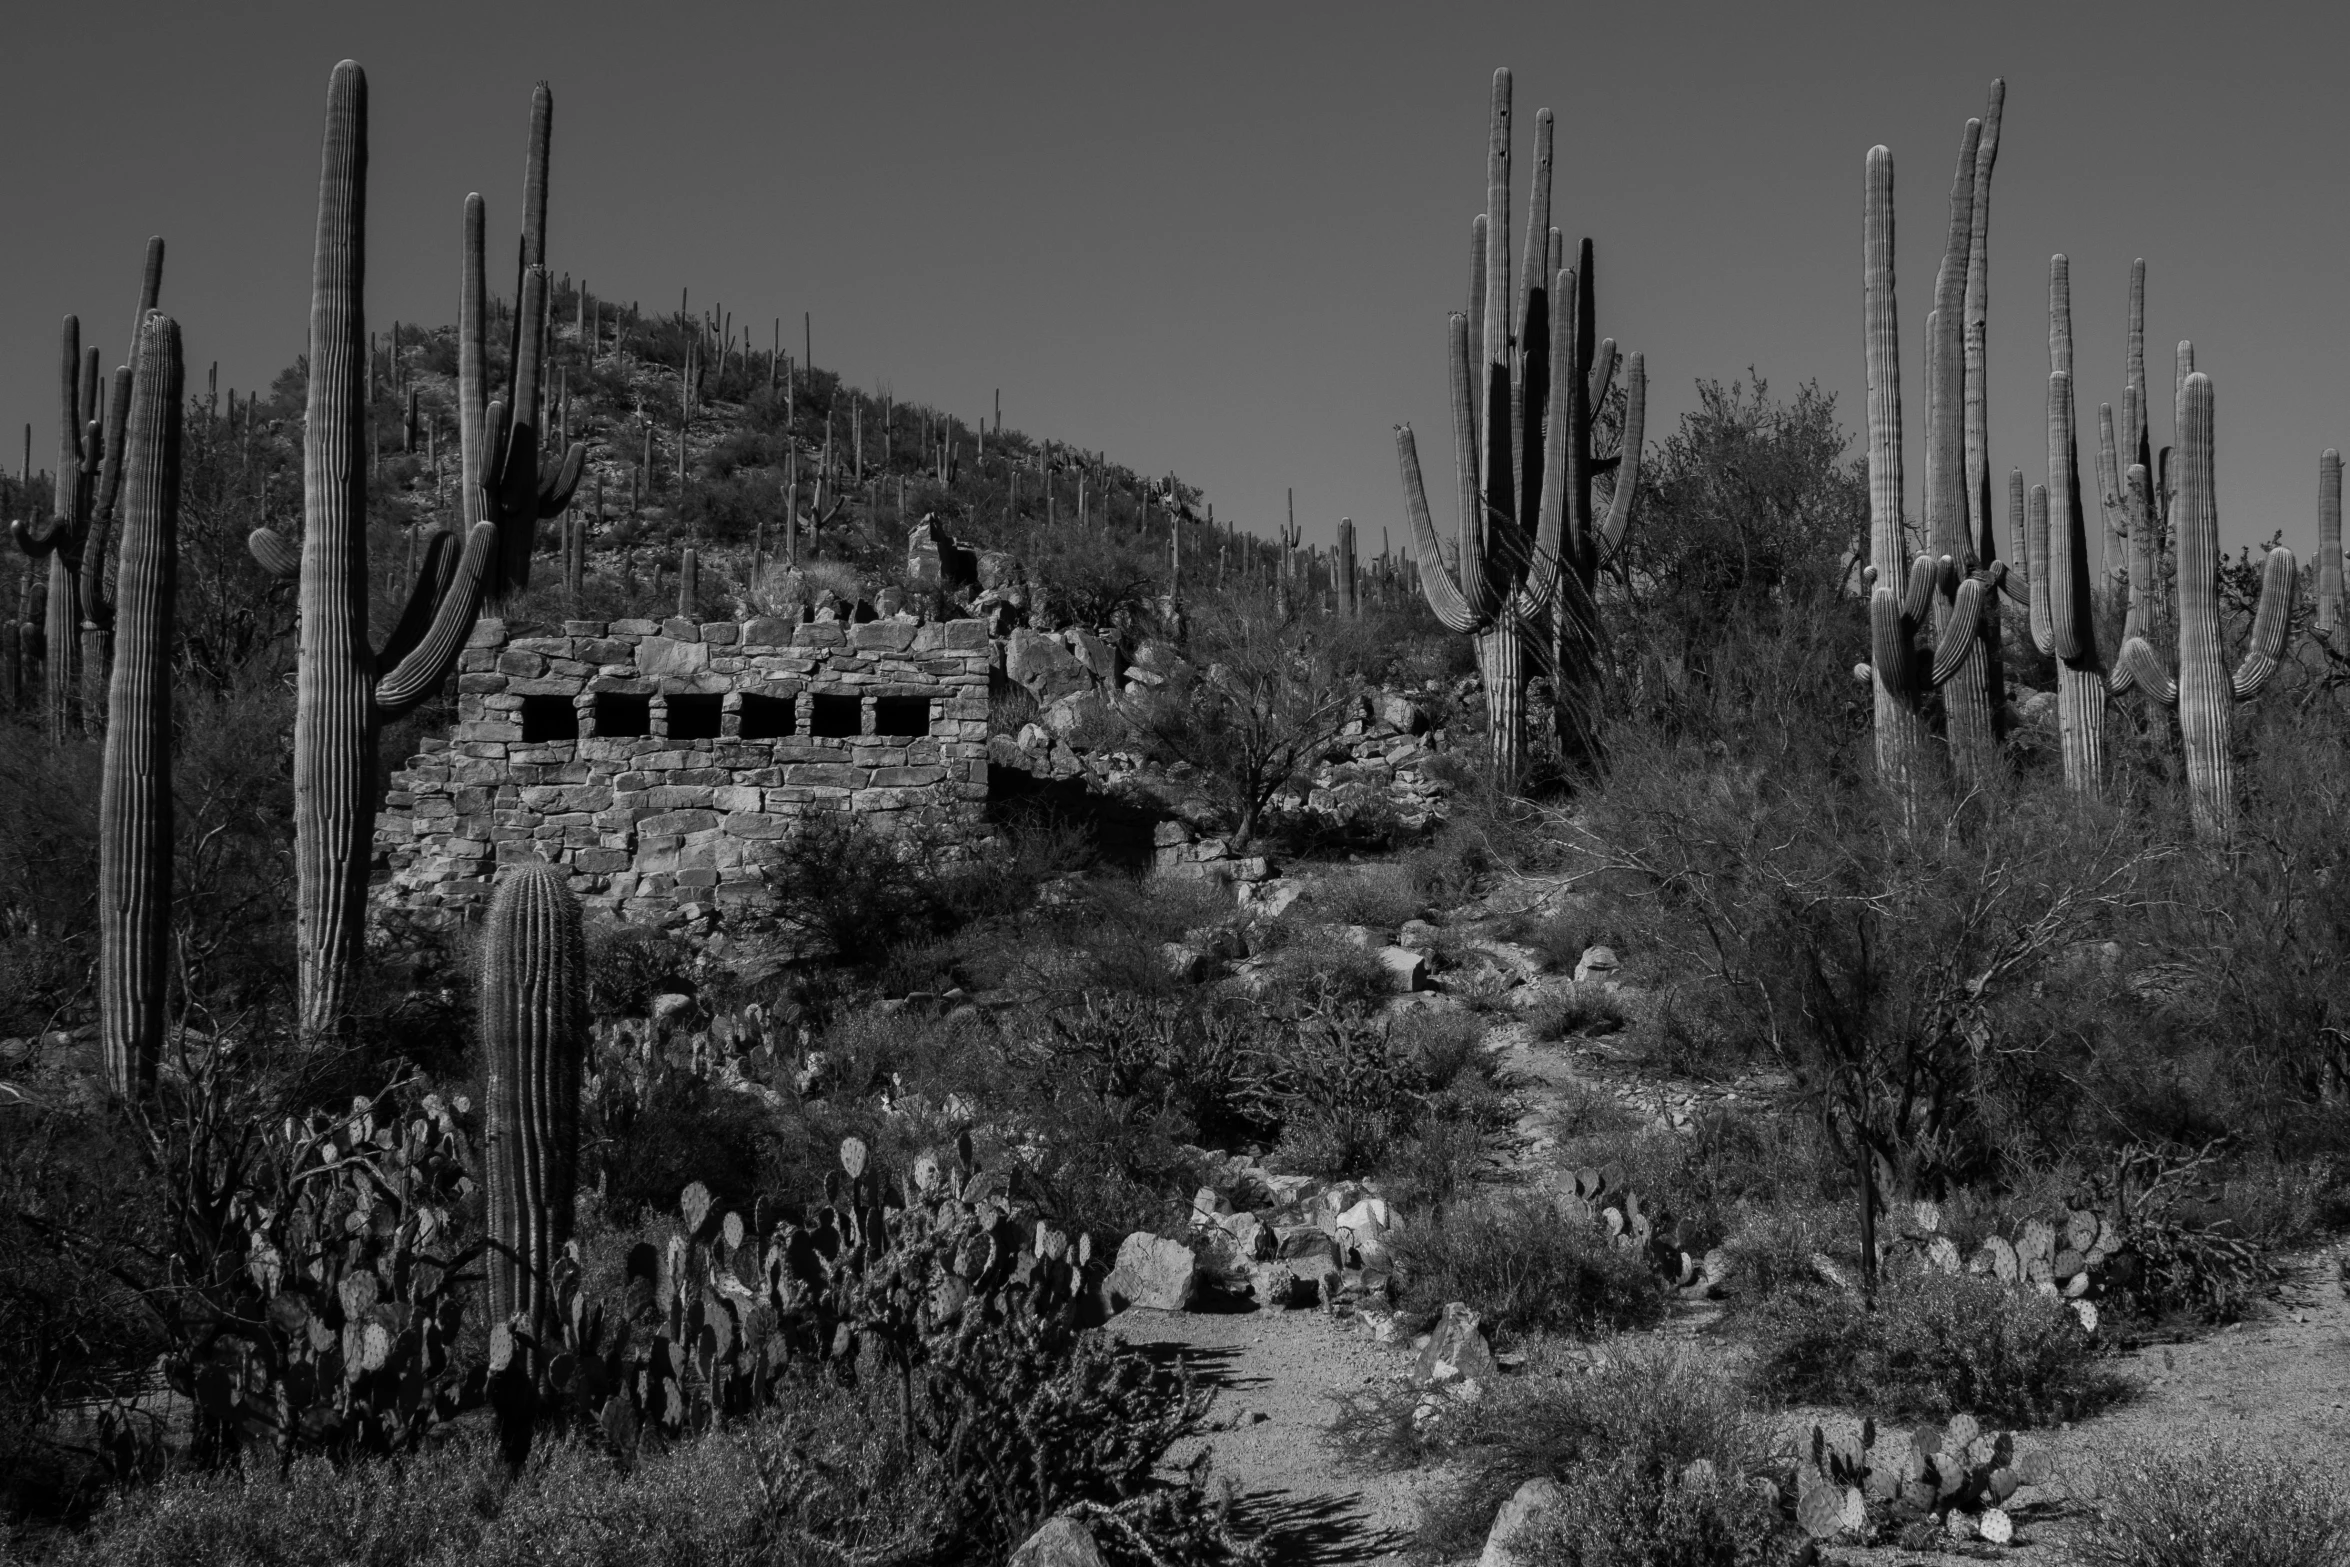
1044,665
1154,1273
1098,657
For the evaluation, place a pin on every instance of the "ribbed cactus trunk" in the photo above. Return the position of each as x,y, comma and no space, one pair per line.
1900,725
2204,690
344,691
2064,621
334,732
2207,704
1966,695
1349,593
689,583
134,804
2329,540
533,1028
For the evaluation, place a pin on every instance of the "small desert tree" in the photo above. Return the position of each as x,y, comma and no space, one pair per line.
1265,693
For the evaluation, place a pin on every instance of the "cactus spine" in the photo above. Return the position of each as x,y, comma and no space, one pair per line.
2329,540
344,692
134,809
533,1026
1524,392
2204,691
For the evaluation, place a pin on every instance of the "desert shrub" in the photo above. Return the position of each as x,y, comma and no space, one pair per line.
1643,1417
823,1478
1358,1092
1525,1268
2228,1505
1381,896
1935,1345
684,1128
1578,1009
1323,966
852,893
1717,1178
1622,1513
631,964
1560,939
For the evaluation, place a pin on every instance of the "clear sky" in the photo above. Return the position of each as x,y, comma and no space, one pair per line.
1215,238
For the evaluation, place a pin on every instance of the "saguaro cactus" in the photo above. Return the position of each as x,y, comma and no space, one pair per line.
2329,540
533,1030
344,692
60,539
1898,610
1524,390
134,802
96,588
2063,585
2204,691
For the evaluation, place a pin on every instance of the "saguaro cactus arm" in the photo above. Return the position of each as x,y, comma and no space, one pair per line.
2272,623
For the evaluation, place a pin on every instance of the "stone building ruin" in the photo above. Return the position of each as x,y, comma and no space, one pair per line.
660,762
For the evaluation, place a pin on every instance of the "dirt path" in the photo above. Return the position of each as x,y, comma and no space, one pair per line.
1279,1376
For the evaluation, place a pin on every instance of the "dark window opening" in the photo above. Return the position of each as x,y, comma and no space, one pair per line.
901,715
836,718
695,717
626,717
549,718
769,717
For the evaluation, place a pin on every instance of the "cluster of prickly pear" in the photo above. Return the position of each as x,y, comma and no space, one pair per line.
910,1269
2075,1262
345,1322
1913,1485
1601,1197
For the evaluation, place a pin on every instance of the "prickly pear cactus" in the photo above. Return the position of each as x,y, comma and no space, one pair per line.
344,1318
1912,1485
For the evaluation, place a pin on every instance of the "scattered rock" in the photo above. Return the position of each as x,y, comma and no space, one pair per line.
1408,970
1153,1273
1062,1542
1418,935
1505,1545
1596,963
1187,963
1456,1351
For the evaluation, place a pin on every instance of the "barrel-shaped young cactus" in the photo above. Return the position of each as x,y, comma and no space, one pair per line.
134,802
1527,382
2204,690
534,1035
344,692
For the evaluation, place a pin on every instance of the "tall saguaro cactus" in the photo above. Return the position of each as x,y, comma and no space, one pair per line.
96,588
1526,383
134,802
533,1029
1901,596
2064,622
2329,540
2204,691
345,691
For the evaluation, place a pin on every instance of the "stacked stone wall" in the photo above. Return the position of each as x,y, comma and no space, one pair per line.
603,750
